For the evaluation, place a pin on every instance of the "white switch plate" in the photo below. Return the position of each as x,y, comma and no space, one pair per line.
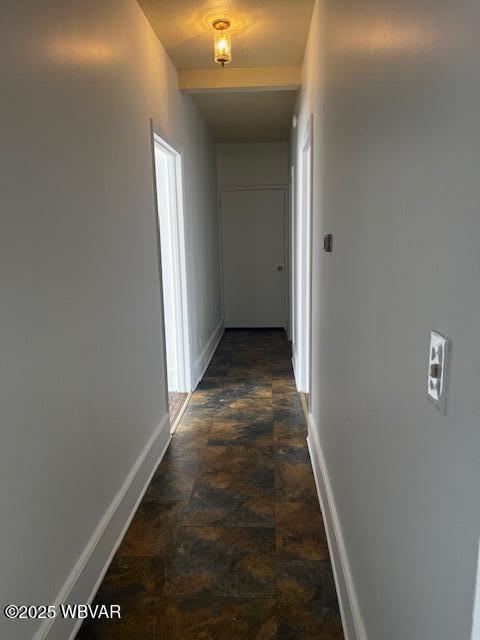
437,369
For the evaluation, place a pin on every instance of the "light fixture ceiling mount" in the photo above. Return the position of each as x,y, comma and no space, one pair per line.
221,24
222,42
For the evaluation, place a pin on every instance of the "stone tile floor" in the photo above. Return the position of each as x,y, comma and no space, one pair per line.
228,542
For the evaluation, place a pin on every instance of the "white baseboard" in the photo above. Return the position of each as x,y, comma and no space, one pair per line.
203,360
90,568
353,626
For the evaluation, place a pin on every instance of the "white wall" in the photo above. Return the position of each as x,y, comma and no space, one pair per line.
395,94
82,380
253,164
203,243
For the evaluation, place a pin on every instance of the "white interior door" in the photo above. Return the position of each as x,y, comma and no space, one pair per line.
302,266
165,204
253,243
168,174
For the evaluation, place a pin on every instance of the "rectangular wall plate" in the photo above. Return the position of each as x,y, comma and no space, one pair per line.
437,369
328,243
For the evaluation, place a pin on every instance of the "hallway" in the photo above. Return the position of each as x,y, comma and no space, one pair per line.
228,542
267,213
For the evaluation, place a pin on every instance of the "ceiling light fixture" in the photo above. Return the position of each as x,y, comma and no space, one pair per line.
223,42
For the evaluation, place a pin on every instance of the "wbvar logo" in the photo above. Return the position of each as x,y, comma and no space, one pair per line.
83,611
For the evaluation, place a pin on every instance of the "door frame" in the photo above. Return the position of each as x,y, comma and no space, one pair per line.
177,241
291,253
286,254
303,243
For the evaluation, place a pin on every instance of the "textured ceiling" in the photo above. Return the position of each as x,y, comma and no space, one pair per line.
265,33
247,117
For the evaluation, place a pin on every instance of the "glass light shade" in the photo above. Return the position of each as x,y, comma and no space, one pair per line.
223,48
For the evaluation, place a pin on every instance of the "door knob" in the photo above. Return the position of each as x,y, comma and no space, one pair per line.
280,268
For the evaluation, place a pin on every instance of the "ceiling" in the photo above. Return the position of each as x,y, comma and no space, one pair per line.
265,33
263,116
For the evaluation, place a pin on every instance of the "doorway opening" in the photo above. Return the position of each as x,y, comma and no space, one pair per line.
171,231
303,268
